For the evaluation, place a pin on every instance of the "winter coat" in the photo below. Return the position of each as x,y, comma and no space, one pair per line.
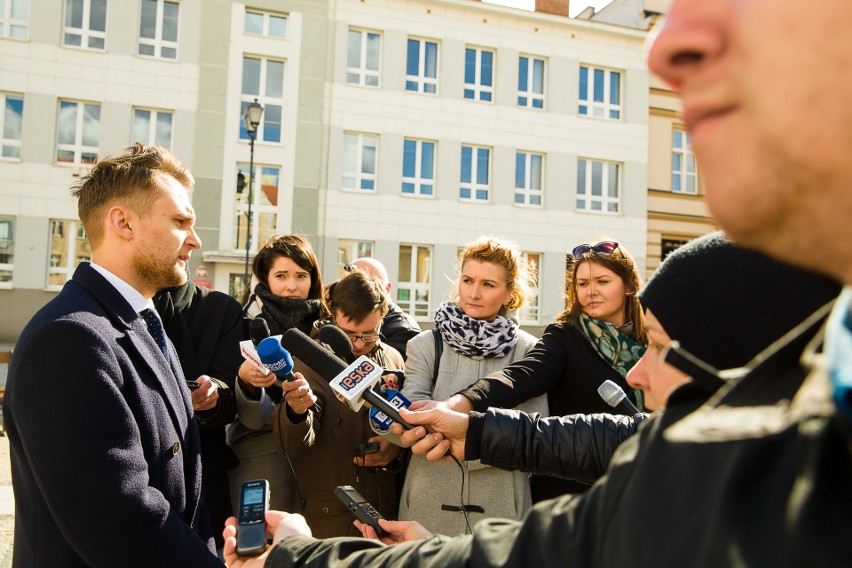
431,492
578,446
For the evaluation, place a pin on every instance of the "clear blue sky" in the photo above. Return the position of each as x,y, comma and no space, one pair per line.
574,6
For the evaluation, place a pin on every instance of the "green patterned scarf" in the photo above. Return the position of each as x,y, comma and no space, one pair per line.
616,345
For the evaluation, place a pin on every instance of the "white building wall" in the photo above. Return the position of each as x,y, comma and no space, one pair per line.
443,220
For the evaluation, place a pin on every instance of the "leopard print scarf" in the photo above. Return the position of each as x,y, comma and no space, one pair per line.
477,339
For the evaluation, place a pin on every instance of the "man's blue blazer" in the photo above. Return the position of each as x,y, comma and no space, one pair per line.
106,464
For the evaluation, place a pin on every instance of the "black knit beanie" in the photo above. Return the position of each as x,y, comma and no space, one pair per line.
725,304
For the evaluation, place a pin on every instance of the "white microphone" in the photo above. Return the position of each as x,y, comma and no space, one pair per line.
354,385
614,396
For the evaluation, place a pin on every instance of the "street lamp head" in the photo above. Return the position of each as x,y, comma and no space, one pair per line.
252,117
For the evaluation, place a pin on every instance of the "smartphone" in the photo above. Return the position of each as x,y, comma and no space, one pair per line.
359,506
251,520
193,385
368,448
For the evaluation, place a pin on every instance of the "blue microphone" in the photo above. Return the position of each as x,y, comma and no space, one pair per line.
276,358
397,400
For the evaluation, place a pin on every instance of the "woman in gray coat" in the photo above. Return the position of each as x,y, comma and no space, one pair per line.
476,339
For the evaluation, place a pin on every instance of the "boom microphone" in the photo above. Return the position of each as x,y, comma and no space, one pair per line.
339,342
614,396
351,384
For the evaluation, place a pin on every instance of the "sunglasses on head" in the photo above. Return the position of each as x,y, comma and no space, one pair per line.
603,247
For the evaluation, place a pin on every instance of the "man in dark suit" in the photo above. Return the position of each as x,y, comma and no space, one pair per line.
105,452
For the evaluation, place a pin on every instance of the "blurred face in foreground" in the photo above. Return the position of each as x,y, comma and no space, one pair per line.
773,145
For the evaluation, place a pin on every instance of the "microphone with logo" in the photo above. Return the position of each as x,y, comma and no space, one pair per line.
351,384
339,342
278,360
614,396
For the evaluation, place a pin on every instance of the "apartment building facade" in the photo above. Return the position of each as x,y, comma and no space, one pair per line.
395,129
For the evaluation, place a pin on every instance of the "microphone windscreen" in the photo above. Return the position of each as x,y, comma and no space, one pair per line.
611,393
339,342
274,356
258,330
319,359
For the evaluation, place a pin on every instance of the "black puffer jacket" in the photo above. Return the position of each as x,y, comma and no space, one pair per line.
578,446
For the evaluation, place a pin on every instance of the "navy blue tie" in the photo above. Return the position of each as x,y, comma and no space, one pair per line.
155,328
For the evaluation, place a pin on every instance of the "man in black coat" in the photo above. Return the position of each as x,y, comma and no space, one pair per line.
206,328
106,463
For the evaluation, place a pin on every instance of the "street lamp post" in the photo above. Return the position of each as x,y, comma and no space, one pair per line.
252,120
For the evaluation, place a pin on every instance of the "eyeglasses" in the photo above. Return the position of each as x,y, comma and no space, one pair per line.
603,247
348,267
367,338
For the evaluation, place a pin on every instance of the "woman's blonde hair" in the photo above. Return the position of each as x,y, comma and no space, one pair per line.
507,256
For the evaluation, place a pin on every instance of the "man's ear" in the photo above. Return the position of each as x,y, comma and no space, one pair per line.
121,221
388,288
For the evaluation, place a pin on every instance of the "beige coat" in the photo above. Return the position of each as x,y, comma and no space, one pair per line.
429,486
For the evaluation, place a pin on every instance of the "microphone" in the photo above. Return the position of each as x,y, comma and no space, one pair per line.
351,384
614,396
258,330
276,358
339,342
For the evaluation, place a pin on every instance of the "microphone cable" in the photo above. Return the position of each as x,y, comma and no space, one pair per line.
461,495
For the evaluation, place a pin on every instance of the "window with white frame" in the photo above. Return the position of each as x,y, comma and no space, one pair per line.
264,208
600,92
152,127
475,167
14,18
350,249
359,161
363,58
68,248
683,163
265,24
530,82
85,24
528,178
597,185
11,125
263,79
158,29
529,312
415,269
421,69
77,133
478,74
7,250
418,167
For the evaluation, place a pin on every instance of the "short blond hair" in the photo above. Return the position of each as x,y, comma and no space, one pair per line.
507,256
134,178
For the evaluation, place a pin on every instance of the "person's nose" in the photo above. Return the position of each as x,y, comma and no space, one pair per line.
691,37
194,241
593,290
637,377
